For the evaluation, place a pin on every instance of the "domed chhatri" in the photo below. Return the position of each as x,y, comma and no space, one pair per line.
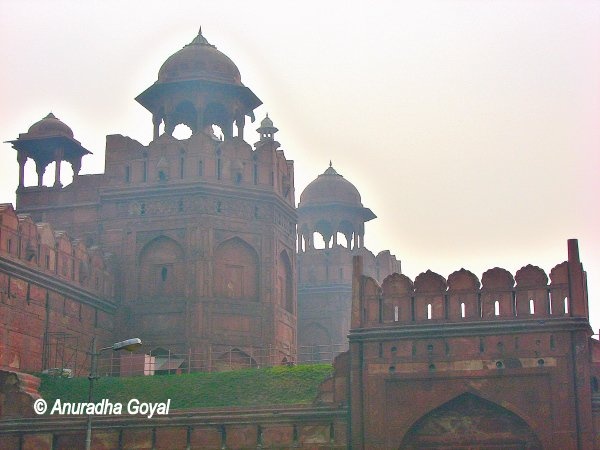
199,60
48,140
330,188
198,86
49,126
267,130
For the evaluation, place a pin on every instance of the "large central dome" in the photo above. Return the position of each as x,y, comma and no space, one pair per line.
199,60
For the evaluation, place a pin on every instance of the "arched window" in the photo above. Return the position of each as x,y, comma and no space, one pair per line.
161,265
236,270
285,295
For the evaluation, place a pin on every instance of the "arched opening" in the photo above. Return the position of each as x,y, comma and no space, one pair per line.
182,132
48,177
470,422
184,114
316,345
341,239
161,269
285,294
215,115
318,241
236,270
325,231
234,359
30,173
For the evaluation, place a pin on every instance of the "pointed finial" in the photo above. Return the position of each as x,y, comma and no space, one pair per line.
200,31
267,115
330,163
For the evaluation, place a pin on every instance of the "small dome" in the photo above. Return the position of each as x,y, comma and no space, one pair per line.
199,60
49,126
266,122
330,188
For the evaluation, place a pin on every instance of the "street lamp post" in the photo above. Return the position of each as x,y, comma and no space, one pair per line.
129,345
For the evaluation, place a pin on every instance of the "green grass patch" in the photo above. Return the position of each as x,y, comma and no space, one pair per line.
248,387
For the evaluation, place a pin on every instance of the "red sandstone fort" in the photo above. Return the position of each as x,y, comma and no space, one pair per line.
196,246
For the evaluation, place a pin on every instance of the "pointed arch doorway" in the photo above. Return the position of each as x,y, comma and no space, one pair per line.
469,422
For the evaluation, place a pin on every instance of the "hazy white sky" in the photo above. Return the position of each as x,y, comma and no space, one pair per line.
471,128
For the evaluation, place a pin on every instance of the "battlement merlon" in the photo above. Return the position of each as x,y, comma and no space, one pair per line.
462,299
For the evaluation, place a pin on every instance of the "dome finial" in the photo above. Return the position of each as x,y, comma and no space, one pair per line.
330,163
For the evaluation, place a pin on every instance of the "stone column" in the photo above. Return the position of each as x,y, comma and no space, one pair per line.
58,156
40,168
76,165
22,159
156,125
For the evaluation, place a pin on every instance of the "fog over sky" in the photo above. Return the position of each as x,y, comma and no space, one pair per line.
471,128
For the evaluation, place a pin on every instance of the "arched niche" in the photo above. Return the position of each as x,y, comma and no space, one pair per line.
161,269
236,270
316,344
234,359
285,294
471,422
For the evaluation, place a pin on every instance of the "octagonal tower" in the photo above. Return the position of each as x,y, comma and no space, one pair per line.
331,229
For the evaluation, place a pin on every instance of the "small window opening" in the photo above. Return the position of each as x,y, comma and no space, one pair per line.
552,343
541,362
181,167
180,206
218,206
392,369
566,302
531,306
145,172
272,179
162,176
219,170
499,365
429,348
380,353
462,310
595,386
163,274
255,174
429,311
259,436
341,274
496,308
223,437
238,178
550,302
431,367
47,261
127,174
256,212
143,209
396,313
394,349
9,245
200,168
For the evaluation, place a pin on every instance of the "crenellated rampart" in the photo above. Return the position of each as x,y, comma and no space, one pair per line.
431,298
